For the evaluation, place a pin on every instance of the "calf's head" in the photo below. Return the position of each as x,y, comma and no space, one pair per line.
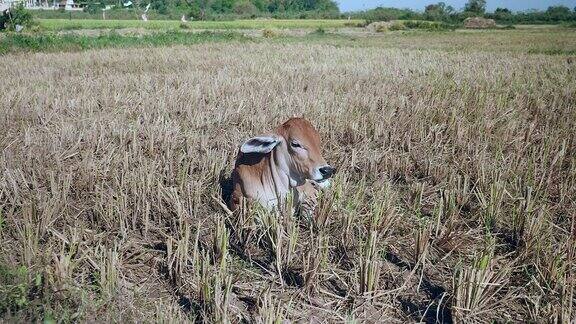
296,151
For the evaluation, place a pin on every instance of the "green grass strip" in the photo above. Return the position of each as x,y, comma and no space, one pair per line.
48,42
65,24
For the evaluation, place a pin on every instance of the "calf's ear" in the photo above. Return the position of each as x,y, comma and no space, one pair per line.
260,144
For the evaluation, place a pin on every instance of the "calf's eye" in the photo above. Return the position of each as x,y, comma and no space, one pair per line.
295,144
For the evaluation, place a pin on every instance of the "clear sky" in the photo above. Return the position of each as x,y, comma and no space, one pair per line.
516,5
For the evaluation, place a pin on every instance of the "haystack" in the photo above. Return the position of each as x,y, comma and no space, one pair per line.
379,26
479,23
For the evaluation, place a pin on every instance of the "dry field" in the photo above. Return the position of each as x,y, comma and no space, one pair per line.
454,201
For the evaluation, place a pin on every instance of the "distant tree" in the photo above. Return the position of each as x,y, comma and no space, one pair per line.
160,6
304,5
195,12
559,13
199,8
245,7
502,14
260,4
439,11
476,6
385,14
275,6
222,6
502,10
327,5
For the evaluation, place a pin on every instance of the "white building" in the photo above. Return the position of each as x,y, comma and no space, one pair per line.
5,4
67,5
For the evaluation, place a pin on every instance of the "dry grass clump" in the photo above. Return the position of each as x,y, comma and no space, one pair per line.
379,26
454,199
269,33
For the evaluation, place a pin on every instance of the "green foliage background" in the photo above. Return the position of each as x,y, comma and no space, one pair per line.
16,16
442,12
211,9
305,9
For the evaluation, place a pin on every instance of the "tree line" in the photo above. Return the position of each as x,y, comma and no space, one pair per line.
474,8
202,8
303,9
209,9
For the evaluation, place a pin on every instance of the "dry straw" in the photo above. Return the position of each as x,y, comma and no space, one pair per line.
454,199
